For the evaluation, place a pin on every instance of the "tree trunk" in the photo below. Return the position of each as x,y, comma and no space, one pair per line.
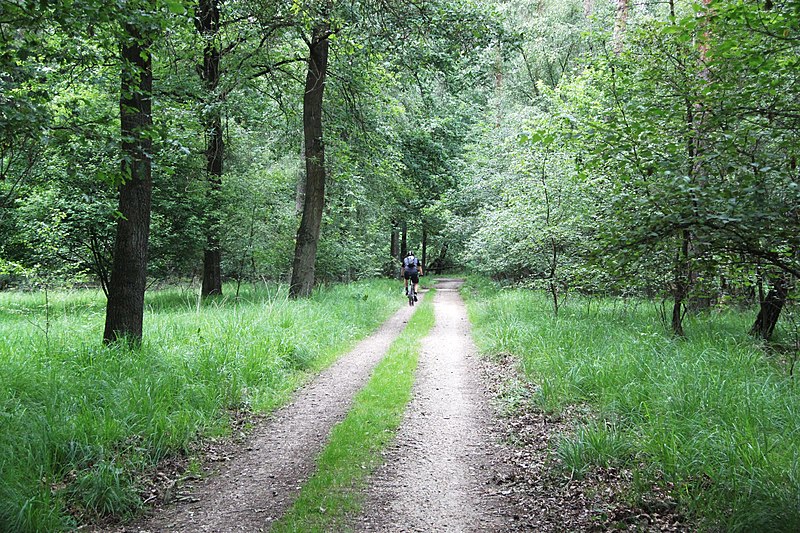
394,250
620,22
305,254
403,239
125,307
771,307
424,247
300,191
696,115
498,84
554,273
681,288
207,23
437,266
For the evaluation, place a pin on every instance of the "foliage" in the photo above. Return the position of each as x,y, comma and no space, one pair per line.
711,415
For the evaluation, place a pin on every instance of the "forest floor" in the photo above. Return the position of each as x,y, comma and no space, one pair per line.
456,464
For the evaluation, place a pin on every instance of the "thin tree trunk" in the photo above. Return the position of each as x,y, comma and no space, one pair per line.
125,307
207,23
424,247
305,254
394,250
682,280
620,22
498,84
394,246
696,116
553,275
438,264
300,192
403,239
771,307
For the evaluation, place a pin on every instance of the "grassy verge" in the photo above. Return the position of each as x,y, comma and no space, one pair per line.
81,423
710,415
355,444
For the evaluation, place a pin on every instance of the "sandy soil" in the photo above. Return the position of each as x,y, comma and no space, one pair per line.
439,474
259,483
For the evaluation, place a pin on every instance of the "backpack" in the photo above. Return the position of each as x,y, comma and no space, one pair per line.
410,262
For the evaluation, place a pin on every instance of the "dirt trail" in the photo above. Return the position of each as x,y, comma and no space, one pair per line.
257,486
438,475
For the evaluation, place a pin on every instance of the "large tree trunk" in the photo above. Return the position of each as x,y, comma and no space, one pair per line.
207,23
305,254
771,307
125,308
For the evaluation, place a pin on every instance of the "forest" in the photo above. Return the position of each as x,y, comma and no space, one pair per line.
273,161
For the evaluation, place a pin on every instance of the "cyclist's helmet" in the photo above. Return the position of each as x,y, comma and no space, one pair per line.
410,253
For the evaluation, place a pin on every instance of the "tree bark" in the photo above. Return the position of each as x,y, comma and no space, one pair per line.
498,84
682,283
437,266
771,307
394,251
403,239
207,23
300,190
305,253
424,247
620,22
125,307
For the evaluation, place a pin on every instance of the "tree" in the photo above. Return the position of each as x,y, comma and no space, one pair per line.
207,22
125,308
305,254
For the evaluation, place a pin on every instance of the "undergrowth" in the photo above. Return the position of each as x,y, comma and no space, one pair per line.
712,414
80,423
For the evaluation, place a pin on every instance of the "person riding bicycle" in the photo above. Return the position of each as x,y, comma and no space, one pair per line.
412,269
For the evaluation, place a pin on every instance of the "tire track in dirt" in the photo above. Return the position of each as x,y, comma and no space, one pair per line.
256,487
438,475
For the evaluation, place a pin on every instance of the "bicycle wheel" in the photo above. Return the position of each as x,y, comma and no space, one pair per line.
411,295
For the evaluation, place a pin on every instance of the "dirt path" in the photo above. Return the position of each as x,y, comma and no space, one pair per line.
258,485
438,476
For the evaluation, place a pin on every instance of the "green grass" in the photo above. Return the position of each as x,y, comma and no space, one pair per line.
712,414
332,494
80,423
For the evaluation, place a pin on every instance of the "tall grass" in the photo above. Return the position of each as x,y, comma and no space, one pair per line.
80,422
711,414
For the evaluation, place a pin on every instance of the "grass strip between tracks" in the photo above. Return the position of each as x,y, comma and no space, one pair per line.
353,451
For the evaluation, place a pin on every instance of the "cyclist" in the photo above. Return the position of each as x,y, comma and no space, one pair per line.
412,269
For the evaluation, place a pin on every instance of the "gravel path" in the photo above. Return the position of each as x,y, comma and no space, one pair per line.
258,485
439,474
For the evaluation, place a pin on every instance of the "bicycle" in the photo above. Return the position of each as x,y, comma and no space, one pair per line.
412,294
